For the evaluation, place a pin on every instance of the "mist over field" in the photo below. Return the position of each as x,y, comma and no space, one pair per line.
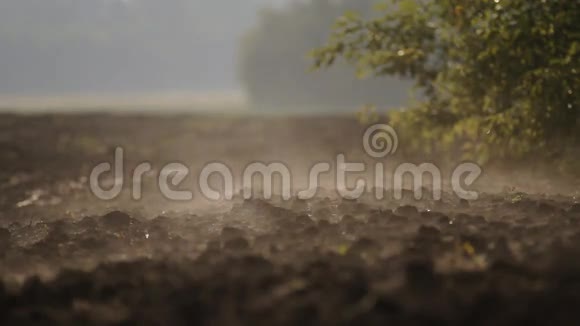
289,162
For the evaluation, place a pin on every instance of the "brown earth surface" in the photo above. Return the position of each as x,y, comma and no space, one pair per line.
510,257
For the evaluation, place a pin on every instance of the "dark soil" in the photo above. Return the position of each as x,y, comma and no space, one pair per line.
508,258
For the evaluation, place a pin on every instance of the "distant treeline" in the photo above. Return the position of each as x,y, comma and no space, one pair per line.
274,64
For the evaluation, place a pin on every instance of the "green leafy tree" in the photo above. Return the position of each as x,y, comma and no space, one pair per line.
498,77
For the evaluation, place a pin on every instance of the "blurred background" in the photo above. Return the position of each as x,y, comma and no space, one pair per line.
187,54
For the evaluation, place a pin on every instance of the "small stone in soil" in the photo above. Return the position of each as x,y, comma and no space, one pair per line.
116,219
420,275
4,239
229,232
238,243
363,245
407,211
304,220
575,209
428,232
444,220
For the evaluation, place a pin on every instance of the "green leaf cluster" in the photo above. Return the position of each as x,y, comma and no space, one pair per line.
496,78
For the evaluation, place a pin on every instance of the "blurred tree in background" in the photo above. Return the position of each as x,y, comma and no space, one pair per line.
274,66
499,77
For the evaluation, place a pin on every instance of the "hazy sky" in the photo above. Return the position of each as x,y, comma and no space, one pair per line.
81,46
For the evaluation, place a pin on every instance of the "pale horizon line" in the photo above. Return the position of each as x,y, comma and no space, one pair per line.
174,99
